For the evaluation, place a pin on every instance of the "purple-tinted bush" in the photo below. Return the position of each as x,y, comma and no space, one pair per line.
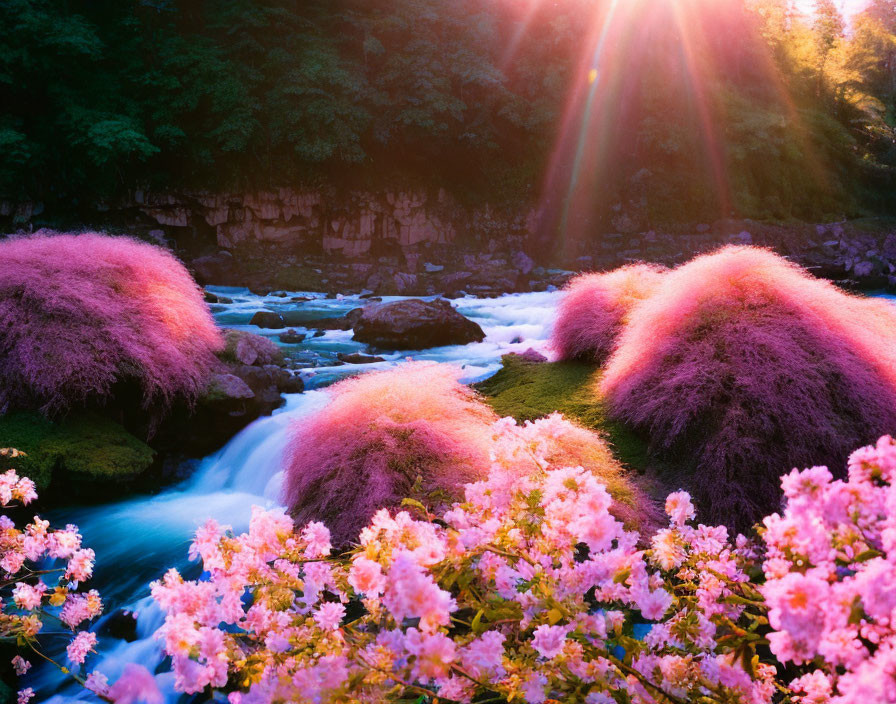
380,431
595,307
415,431
740,364
82,313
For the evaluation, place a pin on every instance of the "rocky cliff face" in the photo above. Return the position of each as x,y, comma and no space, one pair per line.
352,224
421,243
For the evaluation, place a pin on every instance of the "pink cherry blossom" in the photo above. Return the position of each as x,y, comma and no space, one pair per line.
329,616
548,640
81,644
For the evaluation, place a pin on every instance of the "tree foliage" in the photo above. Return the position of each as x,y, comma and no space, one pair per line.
98,97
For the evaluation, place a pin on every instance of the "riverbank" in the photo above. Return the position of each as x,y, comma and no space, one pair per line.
420,243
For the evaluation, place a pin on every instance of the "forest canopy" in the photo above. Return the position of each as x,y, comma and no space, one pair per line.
686,107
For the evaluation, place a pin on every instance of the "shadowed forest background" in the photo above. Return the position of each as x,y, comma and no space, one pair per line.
765,113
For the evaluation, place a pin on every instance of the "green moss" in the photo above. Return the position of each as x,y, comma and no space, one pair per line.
86,447
527,391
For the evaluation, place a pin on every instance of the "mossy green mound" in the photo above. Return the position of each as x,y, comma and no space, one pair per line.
86,447
527,391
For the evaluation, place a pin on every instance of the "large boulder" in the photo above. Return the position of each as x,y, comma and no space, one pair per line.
414,325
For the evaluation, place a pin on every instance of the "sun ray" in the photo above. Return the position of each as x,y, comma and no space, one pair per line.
677,53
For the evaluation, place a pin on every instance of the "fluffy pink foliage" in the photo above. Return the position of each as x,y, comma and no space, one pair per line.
82,313
742,363
380,432
595,308
414,431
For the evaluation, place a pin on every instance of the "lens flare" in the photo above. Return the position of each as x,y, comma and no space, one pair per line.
638,59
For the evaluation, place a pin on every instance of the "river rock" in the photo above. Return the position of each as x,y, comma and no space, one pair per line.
358,358
343,322
122,625
226,388
291,337
522,262
404,282
267,319
414,325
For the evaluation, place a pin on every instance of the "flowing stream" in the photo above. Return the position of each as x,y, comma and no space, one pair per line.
137,539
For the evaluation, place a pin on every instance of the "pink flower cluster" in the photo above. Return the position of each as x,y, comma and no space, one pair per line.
27,597
831,579
527,589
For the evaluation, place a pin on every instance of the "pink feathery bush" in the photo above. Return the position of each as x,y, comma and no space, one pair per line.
742,363
595,308
415,431
379,433
80,314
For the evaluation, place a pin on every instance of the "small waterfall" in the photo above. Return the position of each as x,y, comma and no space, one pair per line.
138,539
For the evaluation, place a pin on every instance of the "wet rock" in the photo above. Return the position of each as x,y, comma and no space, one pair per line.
522,262
226,388
404,282
221,300
344,322
177,468
261,379
414,325
243,347
267,319
291,337
358,358
863,269
122,625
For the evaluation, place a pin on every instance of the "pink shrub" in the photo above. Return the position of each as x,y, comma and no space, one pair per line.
414,431
380,431
742,364
82,313
594,309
